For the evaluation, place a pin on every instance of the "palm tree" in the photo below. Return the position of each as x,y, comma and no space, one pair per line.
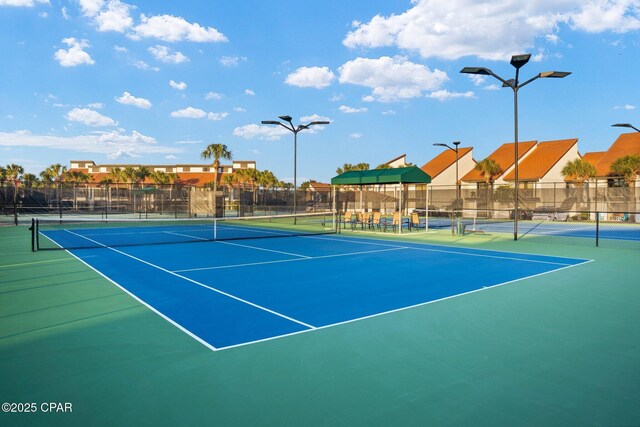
56,173
13,173
266,180
628,167
106,184
77,177
160,178
3,178
216,152
490,170
347,167
579,171
29,180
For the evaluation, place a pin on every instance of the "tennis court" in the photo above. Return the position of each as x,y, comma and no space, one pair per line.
243,288
316,328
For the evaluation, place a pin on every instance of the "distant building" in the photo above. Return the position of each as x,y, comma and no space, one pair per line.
196,175
442,168
398,162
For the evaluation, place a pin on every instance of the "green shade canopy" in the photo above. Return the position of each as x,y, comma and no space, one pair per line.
410,175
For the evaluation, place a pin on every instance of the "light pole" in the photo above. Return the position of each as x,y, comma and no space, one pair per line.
455,143
295,130
517,61
626,125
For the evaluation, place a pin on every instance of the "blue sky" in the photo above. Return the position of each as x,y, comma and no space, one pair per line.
156,81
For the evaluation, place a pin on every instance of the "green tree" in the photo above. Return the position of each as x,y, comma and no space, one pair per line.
13,173
347,167
216,152
55,173
76,177
490,170
29,180
578,171
628,167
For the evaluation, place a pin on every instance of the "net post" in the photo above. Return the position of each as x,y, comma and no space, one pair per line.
33,237
37,234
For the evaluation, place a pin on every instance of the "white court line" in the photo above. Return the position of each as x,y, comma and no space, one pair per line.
208,345
198,283
168,319
289,260
447,251
484,288
262,249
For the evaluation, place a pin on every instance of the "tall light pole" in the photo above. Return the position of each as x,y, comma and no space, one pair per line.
295,130
518,61
626,125
455,143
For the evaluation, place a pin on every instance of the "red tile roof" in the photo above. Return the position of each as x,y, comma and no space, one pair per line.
593,157
542,159
442,161
627,143
504,156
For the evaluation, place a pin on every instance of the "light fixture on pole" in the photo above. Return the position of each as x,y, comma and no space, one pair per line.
517,61
626,125
295,130
455,143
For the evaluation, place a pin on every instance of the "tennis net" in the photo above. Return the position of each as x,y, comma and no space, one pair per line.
81,233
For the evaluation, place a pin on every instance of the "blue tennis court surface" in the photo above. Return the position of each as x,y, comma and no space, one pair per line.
230,293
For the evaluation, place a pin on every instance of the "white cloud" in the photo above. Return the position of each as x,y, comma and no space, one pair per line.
232,61
217,116
351,110
65,14
197,113
75,55
127,99
337,97
316,77
177,85
627,107
171,157
619,16
389,113
113,144
493,86
115,17
189,141
91,7
491,30
239,109
120,49
253,131
144,66
96,105
165,54
314,118
356,135
444,95
189,113
89,117
249,92
476,79
213,95
173,29
22,3
391,79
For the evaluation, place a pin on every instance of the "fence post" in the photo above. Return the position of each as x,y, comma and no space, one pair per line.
597,228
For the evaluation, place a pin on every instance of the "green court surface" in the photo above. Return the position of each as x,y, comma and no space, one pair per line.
556,349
